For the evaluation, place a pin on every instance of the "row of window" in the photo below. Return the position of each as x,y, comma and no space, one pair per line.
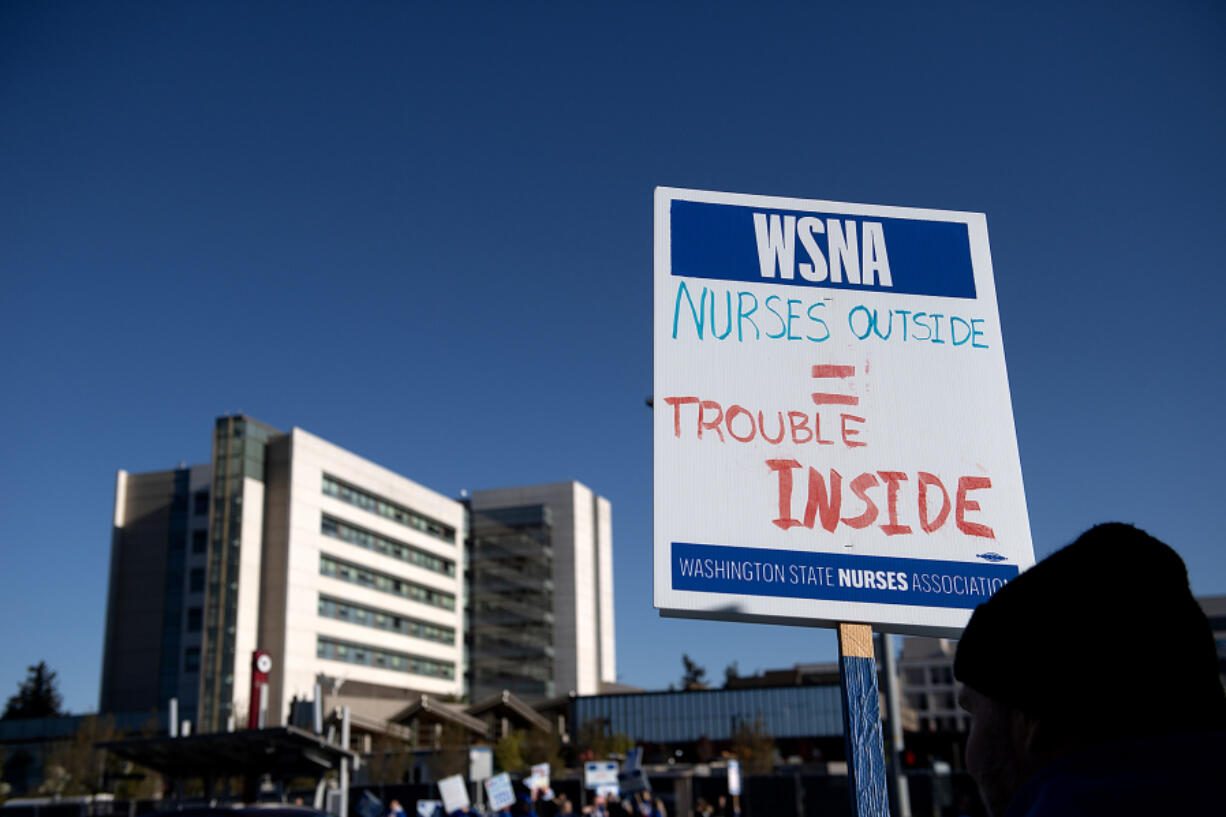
943,724
916,676
388,547
384,659
383,620
385,583
939,701
386,508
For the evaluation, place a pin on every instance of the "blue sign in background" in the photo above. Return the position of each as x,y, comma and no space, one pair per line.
949,584
718,241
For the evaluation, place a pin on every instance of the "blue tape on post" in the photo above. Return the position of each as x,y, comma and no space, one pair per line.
862,731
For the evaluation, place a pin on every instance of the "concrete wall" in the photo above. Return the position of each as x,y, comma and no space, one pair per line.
136,593
309,458
584,642
201,478
273,587
604,565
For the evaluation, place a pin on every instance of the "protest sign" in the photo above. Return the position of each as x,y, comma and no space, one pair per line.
600,773
480,763
500,791
834,435
539,779
454,792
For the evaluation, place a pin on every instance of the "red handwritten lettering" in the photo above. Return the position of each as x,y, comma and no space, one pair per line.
765,436
677,403
859,487
803,425
966,484
848,433
892,479
825,500
926,525
734,412
819,501
784,469
713,425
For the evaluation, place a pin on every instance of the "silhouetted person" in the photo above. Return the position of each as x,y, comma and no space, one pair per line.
1092,682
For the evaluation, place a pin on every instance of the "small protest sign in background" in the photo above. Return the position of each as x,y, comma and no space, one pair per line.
500,791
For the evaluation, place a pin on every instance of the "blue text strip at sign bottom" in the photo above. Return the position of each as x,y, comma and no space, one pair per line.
835,576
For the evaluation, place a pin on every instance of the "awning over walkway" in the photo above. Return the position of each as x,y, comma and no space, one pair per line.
282,752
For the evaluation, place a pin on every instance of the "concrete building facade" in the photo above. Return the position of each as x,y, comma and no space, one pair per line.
159,542
926,667
349,576
343,571
361,576
541,583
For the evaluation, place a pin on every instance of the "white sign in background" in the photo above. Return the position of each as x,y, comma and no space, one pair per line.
500,791
480,763
819,369
539,779
600,773
454,793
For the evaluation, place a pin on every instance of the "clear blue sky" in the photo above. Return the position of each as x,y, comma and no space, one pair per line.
423,231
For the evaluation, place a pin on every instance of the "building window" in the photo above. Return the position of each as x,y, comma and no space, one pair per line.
200,541
335,650
194,618
201,500
340,610
191,659
361,537
365,577
386,508
942,675
196,580
914,676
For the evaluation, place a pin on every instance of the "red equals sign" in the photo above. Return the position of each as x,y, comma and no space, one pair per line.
822,398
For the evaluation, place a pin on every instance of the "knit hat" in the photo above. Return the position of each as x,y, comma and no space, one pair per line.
1104,633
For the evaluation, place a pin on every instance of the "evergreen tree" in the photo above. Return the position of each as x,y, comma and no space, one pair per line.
597,741
754,746
37,697
694,677
509,752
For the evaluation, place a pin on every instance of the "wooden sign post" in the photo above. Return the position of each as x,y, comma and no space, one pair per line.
862,721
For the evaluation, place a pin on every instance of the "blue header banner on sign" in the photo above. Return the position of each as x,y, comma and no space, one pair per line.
835,576
832,250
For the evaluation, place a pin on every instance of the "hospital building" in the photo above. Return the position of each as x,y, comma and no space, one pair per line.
349,575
